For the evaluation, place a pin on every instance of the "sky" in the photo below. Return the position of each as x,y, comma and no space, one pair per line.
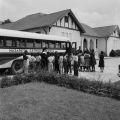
94,13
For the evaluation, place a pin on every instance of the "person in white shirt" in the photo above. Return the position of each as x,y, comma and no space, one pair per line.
32,60
61,64
50,62
25,62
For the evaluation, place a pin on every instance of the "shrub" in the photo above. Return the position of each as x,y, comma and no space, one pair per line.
117,52
71,82
113,53
6,82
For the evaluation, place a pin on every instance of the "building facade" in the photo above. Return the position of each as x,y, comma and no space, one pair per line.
64,23
109,38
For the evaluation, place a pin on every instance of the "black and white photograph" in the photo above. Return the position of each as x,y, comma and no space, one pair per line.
59,59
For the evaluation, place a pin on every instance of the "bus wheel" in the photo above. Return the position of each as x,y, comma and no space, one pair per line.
17,67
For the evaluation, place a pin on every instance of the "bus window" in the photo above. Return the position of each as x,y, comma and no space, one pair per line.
13,43
46,44
17,43
63,45
51,45
1,43
22,43
29,43
68,45
43,45
57,45
9,43
37,44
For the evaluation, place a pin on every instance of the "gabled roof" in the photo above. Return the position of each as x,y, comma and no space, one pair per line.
106,31
89,31
40,20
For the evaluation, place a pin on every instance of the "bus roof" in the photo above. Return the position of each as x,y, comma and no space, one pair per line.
21,34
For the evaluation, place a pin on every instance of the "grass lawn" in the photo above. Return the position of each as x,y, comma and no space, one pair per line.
40,101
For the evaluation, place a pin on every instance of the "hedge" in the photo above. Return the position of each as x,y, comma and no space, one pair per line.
114,53
81,84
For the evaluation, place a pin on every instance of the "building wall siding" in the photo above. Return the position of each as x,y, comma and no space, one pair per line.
39,30
113,43
73,35
88,38
102,45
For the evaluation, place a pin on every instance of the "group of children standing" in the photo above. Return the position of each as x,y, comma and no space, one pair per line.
61,63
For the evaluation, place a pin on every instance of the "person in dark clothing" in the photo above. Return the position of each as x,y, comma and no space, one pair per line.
44,60
79,60
56,62
92,61
69,59
101,61
25,62
75,64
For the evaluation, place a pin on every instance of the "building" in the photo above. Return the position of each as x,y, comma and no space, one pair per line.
89,38
109,38
65,23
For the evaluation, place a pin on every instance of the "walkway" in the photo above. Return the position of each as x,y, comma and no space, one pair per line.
109,74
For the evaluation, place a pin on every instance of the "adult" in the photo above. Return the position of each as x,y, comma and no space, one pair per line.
25,62
44,60
38,62
87,60
56,62
61,64
79,59
75,64
32,63
82,63
92,60
69,60
101,61
50,62
65,63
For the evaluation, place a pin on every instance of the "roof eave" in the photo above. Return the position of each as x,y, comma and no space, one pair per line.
80,26
71,13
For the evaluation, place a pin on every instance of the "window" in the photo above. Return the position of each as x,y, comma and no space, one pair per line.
57,45
13,43
29,43
17,43
8,43
63,45
68,45
37,44
60,21
22,43
43,44
46,44
1,43
51,45
66,19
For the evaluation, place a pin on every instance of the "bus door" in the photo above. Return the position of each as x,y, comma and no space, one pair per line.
74,46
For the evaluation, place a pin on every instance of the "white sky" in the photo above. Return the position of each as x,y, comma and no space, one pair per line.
91,12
